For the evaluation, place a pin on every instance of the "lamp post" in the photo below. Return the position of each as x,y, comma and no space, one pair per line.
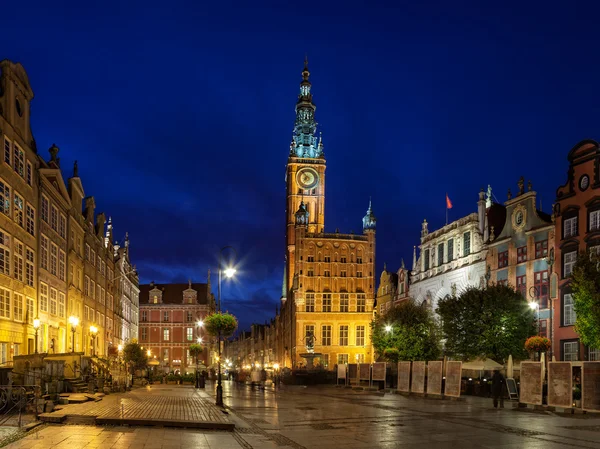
74,322
36,326
199,324
534,305
229,272
93,333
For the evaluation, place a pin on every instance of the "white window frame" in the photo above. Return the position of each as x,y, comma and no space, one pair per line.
569,316
53,301
5,303
18,307
43,297
570,227
360,335
19,210
569,260
5,262
5,197
594,220
571,356
166,334
61,304
594,355
19,260
344,331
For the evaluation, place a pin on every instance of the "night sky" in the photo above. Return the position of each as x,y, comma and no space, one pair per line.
180,115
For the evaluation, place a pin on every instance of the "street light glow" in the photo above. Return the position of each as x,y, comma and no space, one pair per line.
36,323
73,321
388,328
93,330
533,305
200,323
229,272
199,339
120,348
276,366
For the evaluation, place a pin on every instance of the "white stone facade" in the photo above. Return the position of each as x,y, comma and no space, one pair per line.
450,260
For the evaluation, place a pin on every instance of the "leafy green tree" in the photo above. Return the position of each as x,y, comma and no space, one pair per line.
195,350
135,356
493,322
406,332
586,298
223,324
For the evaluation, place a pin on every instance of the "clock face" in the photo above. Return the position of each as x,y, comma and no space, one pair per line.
307,178
519,218
584,182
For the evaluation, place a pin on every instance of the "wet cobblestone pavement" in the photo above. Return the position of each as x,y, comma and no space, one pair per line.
327,417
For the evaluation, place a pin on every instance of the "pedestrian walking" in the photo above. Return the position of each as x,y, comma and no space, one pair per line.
263,378
498,383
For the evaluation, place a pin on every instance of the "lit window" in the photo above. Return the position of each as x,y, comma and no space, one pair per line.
344,303
541,249
326,335
4,198
166,334
569,262
30,225
19,210
343,335
360,335
4,253
361,303
570,227
327,302
569,316
310,302
571,351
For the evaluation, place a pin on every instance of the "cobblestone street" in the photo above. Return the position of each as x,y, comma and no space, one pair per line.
326,417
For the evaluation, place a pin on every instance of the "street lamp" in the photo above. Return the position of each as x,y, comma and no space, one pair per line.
388,328
199,324
229,272
74,322
534,305
93,332
36,326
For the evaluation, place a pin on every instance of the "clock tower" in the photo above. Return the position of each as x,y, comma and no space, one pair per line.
305,175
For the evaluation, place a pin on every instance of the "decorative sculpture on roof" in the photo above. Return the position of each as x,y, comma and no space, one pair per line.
488,197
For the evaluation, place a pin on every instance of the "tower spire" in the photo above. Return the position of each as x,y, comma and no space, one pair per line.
305,143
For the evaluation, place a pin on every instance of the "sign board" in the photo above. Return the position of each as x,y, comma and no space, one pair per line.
404,376
353,372
379,371
560,384
590,386
513,393
341,371
453,378
434,377
531,383
364,371
418,377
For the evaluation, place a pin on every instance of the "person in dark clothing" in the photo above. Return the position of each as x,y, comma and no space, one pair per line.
498,382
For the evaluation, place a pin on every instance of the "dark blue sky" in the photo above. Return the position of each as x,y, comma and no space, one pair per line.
181,113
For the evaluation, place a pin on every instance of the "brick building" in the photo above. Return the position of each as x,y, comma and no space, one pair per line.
393,288
577,212
169,314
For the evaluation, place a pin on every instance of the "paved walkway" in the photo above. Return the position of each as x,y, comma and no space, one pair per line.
159,404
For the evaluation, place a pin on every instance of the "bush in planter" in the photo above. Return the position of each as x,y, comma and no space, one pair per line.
577,393
391,354
224,324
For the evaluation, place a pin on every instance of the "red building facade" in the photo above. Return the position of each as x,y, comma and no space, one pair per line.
577,212
169,316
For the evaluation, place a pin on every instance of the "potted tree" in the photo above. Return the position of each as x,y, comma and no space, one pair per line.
220,325
577,396
537,344
134,356
195,350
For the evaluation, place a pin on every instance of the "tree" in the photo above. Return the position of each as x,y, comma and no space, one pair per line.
223,324
586,298
406,332
134,355
195,350
493,322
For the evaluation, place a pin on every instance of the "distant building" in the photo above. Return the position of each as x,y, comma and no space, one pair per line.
520,241
393,288
577,212
169,315
451,259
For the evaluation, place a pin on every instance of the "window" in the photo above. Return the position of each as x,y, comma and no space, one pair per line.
309,305
45,209
440,254
502,259
19,210
569,316
93,257
54,218
342,359
326,335
4,303
6,151
327,259
344,303
99,264
30,312
98,293
521,254
571,351
326,302
522,285
165,316
343,259
166,334
426,260
359,274
358,259
543,328
569,262
361,303
450,250
189,316
327,273
309,330
19,252
310,273
343,335
86,286
109,302
102,296
144,316
360,335
62,226
4,198
53,301
43,297
19,160
540,282
30,219
190,333
4,253
466,244
62,265
53,258
29,173
570,227
61,304
87,252
92,289
343,273
594,355
18,307
360,358
594,220
541,249
44,252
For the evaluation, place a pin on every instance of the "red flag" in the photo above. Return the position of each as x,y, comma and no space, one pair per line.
448,202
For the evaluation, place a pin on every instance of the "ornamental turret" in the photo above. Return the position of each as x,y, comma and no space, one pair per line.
369,220
302,215
304,140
